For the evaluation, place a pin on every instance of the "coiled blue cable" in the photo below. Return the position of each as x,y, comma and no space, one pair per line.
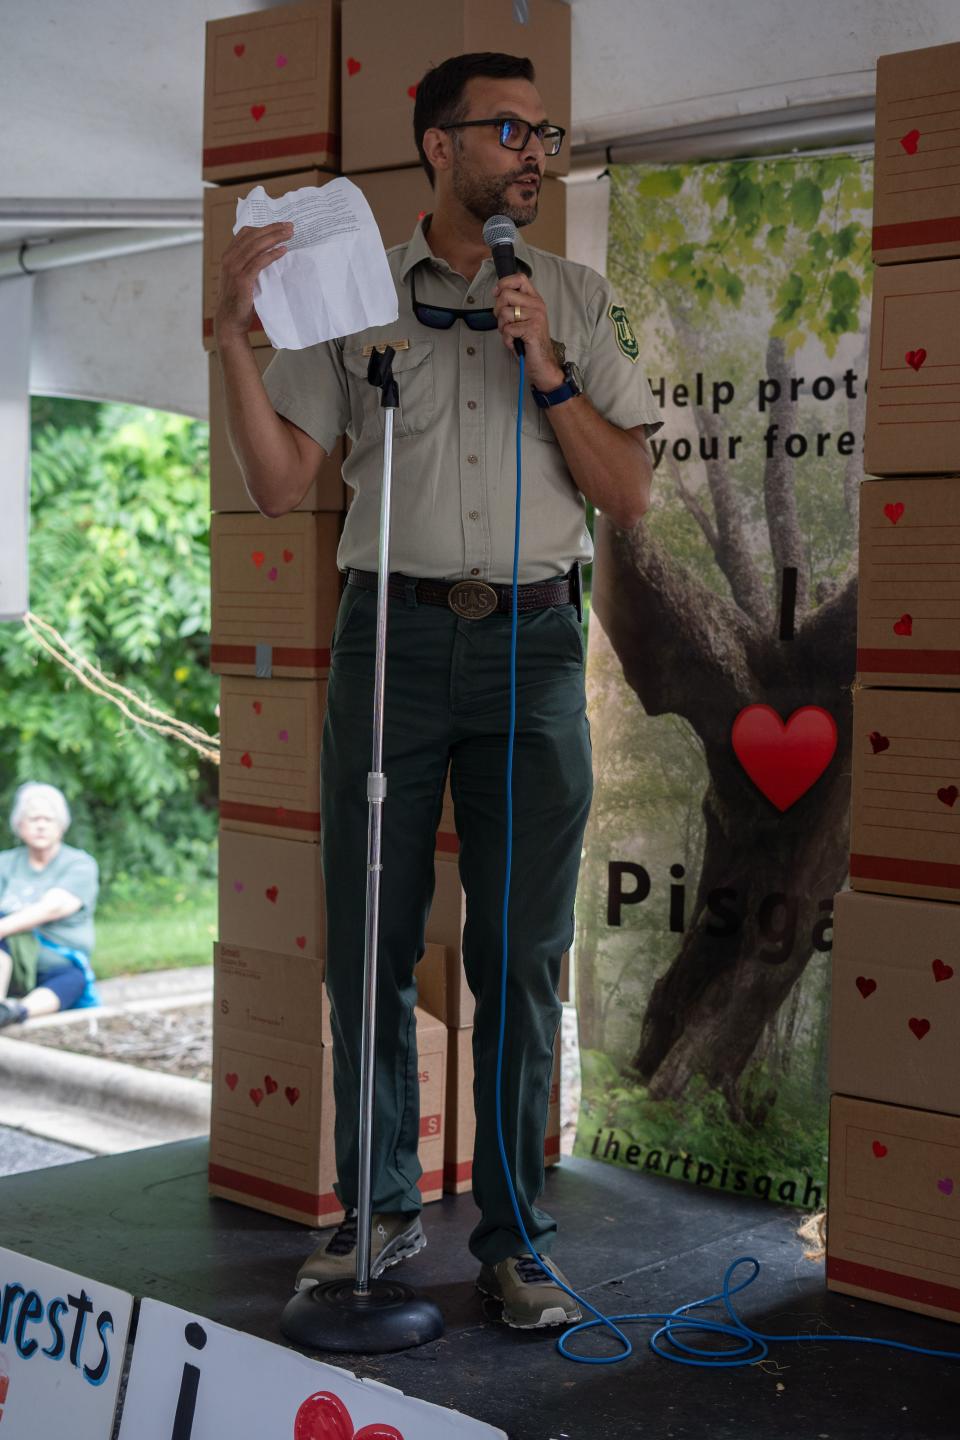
749,1345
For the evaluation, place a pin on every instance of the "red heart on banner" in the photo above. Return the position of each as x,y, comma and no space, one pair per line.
231,1080
301,941
919,1027
910,141
784,760
942,971
903,626
894,512
878,741
324,1416
915,358
257,1097
292,1094
948,795
246,761
258,111
272,894
239,49
879,1150
270,1085
352,65
865,985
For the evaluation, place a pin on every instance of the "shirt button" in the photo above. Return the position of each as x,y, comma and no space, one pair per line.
471,459
471,350
474,514
469,299
474,572
471,404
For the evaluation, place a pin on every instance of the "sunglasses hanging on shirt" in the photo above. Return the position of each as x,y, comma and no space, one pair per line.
441,317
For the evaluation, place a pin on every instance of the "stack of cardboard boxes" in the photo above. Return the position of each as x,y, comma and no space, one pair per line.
894,1200
288,105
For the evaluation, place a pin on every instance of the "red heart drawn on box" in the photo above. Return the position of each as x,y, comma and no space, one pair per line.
784,760
287,556
272,573
292,1094
323,1416
894,512
910,141
948,795
301,942
239,49
257,707
281,61
903,626
879,1150
246,760
353,65
258,558
272,894
231,1080
270,1085
257,1097
258,111
412,91
918,1026
865,985
942,971
945,1186
915,358
878,742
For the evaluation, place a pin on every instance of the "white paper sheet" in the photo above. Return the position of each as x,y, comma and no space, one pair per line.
334,278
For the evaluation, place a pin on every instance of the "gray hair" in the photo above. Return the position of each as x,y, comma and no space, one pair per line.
48,795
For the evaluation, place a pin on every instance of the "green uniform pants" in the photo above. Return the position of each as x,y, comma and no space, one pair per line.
447,702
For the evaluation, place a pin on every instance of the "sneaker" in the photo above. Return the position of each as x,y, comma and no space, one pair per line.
393,1238
11,1013
530,1300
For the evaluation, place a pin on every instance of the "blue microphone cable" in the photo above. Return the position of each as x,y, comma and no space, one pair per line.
749,1346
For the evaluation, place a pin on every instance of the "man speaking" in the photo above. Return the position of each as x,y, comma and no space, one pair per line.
482,137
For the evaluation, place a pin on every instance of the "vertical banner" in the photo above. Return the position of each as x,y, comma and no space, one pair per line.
720,664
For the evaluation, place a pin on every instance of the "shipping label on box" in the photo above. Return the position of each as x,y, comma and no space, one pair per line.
271,91
227,489
913,400
270,756
916,176
895,1007
275,593
905,815
281,996
386,51
894,1228
908,610
271,894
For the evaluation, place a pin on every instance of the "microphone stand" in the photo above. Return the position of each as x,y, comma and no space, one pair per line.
368,1317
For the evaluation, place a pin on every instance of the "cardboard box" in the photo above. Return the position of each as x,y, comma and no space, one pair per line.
272,1119
271,895
276,589
386,51
271,97
270,756
227,489
895,1015
908,611
461,1120
916,195
893,1232
262,993
219,218
399,198
913,400
905,815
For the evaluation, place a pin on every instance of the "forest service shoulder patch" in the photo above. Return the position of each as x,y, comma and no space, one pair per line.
626,339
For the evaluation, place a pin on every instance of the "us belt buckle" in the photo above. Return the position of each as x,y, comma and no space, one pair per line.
472,599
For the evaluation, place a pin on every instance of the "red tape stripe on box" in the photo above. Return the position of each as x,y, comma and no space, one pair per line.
910,662
909,872
321,140
267,815
292,1198
917,232
887,1282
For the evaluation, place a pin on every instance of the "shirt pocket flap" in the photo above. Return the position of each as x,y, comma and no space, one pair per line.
357,363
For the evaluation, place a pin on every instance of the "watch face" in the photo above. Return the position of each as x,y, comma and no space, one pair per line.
573,375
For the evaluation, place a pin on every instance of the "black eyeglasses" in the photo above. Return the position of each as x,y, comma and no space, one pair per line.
515,134
441,317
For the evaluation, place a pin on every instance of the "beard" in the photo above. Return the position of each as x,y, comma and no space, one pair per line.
486,195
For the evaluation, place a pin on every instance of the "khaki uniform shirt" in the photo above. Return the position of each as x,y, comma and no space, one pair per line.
454,453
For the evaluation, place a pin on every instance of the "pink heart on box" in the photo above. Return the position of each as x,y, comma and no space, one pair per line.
945,1186
238,886
272,573
281,61
283,735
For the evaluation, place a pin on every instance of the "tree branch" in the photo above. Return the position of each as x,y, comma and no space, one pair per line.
692,504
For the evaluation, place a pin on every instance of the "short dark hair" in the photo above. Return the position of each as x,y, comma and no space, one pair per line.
440,92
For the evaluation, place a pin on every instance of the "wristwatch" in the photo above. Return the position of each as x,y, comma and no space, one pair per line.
572,385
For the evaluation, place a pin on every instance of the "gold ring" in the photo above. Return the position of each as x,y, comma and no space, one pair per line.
516,314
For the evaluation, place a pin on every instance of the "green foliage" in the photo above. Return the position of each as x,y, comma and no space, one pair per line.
120,565
155,923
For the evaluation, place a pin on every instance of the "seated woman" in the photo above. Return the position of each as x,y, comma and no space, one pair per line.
48,893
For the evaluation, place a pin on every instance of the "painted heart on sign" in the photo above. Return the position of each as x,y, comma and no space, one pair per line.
256,1096
784,760
879,742
232,1080
292,1094
258,111
910,141
915,358
945,1186
894,512
942,971
246,761
903,626
918,1026
865,985
323,1416
352,65
270,1085
239,49
272,894
879,1149
948,795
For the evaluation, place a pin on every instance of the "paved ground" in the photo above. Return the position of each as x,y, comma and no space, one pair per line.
20,1151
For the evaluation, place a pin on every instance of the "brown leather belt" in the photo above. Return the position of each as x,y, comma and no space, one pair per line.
470,599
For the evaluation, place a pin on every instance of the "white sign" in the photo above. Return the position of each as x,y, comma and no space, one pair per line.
62,1343
194,1380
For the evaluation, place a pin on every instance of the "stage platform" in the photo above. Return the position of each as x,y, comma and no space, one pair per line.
143,1221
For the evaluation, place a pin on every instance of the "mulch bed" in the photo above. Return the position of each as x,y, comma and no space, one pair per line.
178,1042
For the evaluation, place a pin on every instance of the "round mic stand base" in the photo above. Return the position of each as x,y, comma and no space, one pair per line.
389,1316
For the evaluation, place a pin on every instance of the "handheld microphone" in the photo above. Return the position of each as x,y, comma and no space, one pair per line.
499,233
